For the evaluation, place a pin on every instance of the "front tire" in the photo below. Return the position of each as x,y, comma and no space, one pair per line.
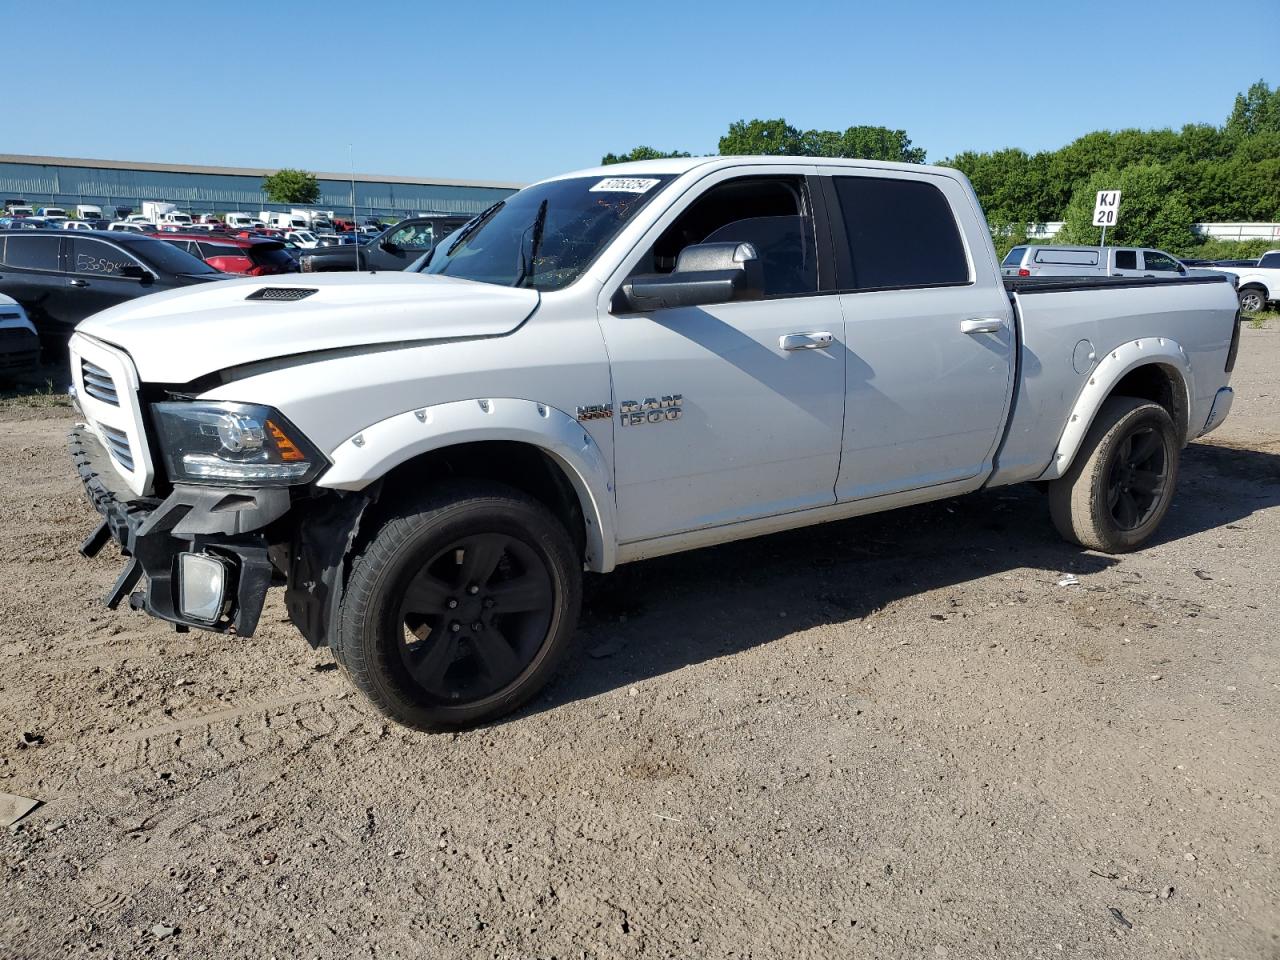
1121,482
460,607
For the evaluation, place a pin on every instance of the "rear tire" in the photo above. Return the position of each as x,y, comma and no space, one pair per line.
1122,480
1253,300
460,607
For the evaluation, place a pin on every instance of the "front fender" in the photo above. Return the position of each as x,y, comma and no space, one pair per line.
380,447
1104,377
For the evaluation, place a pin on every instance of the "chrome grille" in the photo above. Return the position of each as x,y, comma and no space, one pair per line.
118,444
99,385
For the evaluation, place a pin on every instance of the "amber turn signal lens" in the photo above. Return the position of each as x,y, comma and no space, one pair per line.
288,450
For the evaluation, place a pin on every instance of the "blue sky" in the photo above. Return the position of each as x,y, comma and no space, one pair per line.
523,90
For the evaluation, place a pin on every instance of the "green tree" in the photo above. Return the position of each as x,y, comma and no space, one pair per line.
291,186
1153,212
639,153
862,142
1228,173
1257,110
768,138
777,138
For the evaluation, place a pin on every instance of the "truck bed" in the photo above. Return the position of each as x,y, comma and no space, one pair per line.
1064,324
1063,284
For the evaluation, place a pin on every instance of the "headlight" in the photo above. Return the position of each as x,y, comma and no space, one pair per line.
233,443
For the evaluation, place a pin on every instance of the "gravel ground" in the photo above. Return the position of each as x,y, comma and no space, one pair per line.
939,732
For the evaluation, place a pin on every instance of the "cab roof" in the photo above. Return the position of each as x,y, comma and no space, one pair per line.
680,165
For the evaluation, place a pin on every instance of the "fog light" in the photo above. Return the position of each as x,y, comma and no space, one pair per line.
201,583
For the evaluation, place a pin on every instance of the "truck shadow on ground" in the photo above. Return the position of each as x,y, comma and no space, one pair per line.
652,617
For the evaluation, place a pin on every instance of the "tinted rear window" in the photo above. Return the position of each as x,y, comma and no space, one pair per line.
1270,260
32,253
1014,257
167,258
901,234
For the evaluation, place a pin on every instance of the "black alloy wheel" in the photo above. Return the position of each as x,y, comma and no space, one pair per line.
1121,482
1139,473
460,605
475,616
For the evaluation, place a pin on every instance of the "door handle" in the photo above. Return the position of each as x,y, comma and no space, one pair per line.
982,325
819,340
77,283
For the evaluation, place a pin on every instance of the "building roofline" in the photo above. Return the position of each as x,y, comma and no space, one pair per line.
245,171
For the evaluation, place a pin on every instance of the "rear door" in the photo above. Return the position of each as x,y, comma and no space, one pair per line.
930,346
1125,263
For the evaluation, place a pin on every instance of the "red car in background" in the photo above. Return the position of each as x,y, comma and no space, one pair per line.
254,257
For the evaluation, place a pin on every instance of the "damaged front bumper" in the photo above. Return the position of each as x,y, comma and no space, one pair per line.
243,530
223,523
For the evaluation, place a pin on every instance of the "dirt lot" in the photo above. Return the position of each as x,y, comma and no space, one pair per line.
900,736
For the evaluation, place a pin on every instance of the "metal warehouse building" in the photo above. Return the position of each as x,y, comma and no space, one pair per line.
66,181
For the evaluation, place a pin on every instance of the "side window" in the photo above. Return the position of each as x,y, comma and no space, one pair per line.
1155,260
413,236
32,253
1126,259
901,234
98,258
770,213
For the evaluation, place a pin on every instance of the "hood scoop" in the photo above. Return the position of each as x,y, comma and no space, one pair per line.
282,293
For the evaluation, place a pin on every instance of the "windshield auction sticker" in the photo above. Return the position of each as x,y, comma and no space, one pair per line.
625,185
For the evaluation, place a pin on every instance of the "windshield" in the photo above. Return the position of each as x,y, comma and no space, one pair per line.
545,236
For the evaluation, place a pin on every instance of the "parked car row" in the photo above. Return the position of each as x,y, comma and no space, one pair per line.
19,344
1257,281
59,279
395,249
307,228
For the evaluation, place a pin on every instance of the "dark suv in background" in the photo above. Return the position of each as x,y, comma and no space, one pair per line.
64,276
394,249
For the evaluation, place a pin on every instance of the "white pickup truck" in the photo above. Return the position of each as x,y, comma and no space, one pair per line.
607,366
1258,284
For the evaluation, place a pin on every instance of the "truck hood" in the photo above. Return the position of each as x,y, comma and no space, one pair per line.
180,335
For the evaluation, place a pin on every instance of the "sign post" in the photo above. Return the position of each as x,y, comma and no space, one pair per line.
1106,210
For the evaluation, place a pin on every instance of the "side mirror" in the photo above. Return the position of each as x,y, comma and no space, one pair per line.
705,273
135,272
388,246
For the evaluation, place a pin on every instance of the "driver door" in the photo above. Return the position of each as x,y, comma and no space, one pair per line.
734,411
